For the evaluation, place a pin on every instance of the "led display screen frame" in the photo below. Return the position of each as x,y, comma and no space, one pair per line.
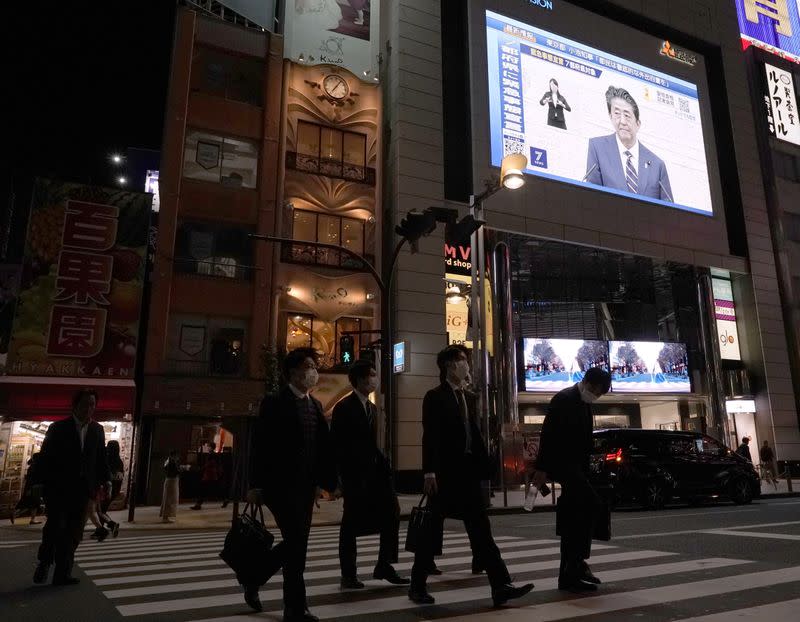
649,367
572,108
551,365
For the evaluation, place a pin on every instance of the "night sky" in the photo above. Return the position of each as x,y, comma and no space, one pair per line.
87,78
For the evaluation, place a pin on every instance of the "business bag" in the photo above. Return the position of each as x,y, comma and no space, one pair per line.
425,530
248,548
601,524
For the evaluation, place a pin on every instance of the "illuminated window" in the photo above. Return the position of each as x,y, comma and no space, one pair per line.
306,331
330,152
210,250
315,227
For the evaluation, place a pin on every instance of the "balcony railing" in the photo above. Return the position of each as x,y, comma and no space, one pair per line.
230,367
308,254
330,168
213,267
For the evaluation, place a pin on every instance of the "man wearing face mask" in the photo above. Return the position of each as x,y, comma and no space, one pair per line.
455,461
370,502
564,455
291,457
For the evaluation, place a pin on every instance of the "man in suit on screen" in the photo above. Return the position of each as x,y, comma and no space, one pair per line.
619,160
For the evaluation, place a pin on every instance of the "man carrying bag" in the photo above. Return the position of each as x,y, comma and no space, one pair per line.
291,457
564,455
455,462
370,502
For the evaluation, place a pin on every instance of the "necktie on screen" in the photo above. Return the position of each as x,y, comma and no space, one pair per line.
631,178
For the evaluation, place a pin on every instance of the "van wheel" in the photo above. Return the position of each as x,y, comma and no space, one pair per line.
741,491
653,495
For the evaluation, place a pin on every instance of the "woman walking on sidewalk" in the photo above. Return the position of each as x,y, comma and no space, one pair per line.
169,498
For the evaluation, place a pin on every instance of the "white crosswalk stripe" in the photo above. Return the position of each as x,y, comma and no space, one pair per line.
182,574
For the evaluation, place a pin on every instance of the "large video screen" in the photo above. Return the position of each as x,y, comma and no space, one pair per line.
587,117
555,364
649,367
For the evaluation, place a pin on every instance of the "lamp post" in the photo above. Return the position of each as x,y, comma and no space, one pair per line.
512,178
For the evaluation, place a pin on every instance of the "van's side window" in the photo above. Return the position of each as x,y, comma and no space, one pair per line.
681,446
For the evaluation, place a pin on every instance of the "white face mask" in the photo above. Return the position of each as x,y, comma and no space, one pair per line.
587,396
461,370
309,379
371,385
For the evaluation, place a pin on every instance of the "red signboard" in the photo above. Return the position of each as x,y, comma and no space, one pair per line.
83,273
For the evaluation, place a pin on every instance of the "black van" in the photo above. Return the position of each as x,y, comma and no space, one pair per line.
651,467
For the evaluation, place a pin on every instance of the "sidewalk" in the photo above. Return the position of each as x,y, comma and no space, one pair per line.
212,516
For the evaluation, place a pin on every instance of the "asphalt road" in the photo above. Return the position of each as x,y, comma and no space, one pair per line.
698,564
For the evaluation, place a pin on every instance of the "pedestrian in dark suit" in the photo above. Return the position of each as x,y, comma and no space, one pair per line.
455,461
370,502
564,455
73,466
619,160
292,456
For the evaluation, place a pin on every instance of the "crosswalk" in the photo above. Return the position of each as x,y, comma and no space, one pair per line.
180,575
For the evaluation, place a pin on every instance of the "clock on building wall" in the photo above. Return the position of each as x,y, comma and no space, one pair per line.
335,87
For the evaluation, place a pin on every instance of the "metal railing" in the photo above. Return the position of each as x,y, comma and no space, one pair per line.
330,168
230,367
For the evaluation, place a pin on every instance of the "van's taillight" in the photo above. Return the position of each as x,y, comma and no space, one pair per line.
615,457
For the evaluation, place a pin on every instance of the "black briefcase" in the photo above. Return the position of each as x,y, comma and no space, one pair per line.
602,519
248,548
425,530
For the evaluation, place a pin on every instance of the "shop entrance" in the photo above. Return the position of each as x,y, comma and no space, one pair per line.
205,453
20,440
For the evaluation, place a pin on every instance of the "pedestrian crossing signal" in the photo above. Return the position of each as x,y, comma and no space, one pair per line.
347,349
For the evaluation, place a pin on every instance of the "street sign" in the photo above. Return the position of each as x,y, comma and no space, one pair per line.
400,357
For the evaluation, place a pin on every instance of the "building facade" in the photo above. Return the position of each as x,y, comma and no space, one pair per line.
566,259
254,144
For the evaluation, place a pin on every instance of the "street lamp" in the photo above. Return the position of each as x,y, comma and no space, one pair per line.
511,177
116,158
122,180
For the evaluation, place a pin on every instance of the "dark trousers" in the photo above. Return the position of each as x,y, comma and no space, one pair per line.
62,533
293,517
116,486
481,541
389,541
576,512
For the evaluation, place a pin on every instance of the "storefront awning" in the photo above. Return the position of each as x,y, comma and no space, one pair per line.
36,398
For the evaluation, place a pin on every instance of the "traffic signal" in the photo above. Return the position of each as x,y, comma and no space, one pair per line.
347,349
416,225
464,228
367,354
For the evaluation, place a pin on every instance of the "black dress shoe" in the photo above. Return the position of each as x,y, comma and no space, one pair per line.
576,586
351,583
251,597
387,573
508,592
586,575
477,568
291,615
66,580
41,572
421,597
433,570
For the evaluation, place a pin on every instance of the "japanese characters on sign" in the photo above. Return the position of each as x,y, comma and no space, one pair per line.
773,25
782,115
82,278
